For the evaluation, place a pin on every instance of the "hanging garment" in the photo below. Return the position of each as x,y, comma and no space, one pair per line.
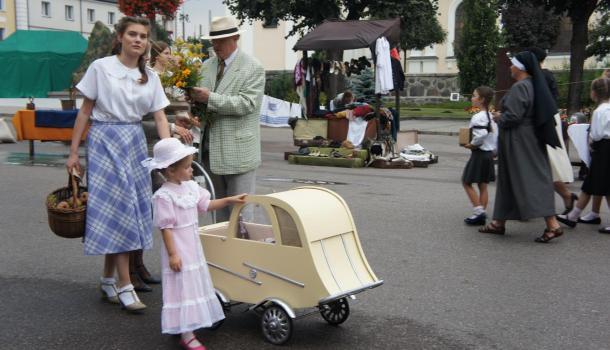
356,131
398,75
383,73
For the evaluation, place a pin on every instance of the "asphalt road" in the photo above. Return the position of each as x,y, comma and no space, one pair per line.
446,286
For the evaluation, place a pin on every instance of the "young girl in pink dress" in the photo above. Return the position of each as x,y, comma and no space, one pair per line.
189,300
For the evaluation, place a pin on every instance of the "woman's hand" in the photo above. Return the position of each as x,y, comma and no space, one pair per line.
469,146
496,116
175,263
73,163
185,134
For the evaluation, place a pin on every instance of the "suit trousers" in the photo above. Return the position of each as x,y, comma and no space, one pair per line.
231,185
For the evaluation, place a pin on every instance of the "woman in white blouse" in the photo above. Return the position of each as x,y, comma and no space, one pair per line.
118,91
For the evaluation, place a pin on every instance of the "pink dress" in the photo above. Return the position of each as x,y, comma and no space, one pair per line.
189,300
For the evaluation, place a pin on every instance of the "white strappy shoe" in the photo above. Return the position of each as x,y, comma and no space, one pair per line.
129,299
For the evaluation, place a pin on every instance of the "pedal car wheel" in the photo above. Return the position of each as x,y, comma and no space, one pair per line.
335,312
276,325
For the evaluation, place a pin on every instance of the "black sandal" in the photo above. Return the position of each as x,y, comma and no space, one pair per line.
548,235
493,229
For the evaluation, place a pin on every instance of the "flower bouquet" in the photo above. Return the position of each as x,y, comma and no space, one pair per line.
185,73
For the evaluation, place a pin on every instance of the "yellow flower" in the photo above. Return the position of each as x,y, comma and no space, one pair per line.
186,72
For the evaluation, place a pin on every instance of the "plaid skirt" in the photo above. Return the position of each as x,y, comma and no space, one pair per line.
119,214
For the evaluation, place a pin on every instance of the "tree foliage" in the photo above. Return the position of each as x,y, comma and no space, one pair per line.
526,25
419,26
599,36
476,51
100,45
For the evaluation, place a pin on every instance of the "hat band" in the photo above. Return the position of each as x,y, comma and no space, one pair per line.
222,32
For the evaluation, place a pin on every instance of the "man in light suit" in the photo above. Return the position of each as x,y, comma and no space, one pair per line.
232,86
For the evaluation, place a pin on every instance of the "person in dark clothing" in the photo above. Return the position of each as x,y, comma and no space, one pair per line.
562,171
548,75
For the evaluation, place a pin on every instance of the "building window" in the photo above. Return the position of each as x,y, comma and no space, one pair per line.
110,17
458,29
270,22
1,6
91,15
46,9
1,33
69,13
562,46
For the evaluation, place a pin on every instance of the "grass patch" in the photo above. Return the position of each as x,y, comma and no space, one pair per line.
437,112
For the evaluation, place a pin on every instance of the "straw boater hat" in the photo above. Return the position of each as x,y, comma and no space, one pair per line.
223,27
167,152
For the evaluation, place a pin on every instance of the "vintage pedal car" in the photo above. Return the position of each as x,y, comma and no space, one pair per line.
307,255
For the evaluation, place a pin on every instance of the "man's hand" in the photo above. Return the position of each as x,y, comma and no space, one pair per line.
199,94
496,116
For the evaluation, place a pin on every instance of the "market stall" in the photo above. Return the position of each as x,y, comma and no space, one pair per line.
332,35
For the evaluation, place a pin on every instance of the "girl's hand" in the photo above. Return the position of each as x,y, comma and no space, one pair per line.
469,146
175,263
240,198
73,164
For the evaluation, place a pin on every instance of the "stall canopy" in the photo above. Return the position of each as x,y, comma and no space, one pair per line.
34,62
347,35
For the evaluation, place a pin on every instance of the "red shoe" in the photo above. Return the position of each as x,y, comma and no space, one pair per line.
188,347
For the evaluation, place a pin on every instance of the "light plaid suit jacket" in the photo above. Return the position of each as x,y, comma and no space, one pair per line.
235,144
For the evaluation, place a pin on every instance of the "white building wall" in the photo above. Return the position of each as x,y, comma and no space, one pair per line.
30,16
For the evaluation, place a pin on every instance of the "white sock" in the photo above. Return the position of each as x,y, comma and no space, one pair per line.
186,337
573,214
478,210
127,298
590,216
108,286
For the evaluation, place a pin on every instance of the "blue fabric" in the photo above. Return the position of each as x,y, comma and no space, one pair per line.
55,118
119,214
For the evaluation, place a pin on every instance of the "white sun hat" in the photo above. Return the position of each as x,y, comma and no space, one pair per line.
223,27
167,152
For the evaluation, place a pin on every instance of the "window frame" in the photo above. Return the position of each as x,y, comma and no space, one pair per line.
47,5
1,6
112,16
91,15
1,34
69,8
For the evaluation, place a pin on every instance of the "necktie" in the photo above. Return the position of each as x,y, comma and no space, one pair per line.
221,71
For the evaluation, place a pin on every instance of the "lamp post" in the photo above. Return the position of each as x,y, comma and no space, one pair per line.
184,18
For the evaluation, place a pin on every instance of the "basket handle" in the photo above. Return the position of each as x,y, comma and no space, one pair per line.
73,181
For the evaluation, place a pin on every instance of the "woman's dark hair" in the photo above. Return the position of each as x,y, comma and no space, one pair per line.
120,28
487,94
156,48
601,88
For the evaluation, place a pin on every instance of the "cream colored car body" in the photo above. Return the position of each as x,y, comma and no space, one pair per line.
316,256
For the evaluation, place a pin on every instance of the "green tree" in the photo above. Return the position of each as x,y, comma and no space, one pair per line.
100,45
599,37
476,52
579,12
419,26
526,24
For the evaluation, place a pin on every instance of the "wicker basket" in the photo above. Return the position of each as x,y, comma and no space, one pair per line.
68,222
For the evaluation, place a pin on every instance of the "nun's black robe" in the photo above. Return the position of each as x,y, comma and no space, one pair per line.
524,182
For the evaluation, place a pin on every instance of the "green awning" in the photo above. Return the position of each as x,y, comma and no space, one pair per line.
34,62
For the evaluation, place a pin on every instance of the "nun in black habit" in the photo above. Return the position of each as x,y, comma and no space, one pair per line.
526,125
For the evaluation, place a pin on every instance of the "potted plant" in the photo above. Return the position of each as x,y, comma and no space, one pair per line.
70,102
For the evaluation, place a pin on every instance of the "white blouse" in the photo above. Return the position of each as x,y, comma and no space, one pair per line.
117,92
486,141
600,122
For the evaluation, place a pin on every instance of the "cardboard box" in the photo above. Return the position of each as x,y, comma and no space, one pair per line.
464,137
